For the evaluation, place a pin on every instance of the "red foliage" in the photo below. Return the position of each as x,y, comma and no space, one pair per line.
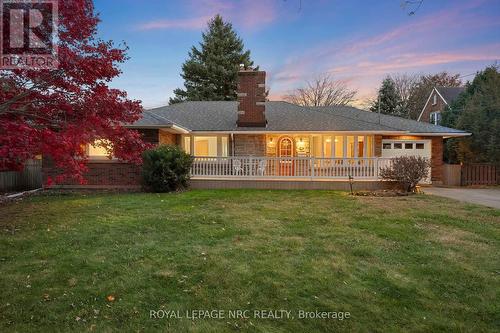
56,112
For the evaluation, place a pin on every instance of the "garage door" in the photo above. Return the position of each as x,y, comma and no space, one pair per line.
394,148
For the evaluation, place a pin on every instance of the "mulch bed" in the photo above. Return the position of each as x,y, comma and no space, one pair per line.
381,193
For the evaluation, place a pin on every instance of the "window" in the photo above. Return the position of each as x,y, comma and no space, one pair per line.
369,146
408,145
205,146
327,146
339,146
434,99
435,118
419,146
98,149
317,146
398,145
350,146
361,146
386,146
187,144
225,146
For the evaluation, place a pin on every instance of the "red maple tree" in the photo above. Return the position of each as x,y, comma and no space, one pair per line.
57,112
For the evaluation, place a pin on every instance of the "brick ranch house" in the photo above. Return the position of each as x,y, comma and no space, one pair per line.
251,143
438,100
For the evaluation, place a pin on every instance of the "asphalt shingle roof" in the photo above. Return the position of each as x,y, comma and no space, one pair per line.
397,123
450,93
281,116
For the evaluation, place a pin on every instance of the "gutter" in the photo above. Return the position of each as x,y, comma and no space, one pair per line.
444,135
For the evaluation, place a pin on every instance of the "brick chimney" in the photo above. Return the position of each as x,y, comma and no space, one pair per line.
251,98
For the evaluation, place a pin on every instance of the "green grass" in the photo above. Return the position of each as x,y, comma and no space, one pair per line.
396,264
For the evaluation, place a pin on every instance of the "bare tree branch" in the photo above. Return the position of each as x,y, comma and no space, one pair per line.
322,91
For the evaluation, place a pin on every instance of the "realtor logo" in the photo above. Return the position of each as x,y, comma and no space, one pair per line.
29,32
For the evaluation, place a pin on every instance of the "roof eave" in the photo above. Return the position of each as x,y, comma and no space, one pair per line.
444,135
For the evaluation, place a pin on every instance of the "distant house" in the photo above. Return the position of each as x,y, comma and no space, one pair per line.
438,100
272,144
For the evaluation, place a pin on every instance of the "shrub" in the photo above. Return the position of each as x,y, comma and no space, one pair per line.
407,171
166,168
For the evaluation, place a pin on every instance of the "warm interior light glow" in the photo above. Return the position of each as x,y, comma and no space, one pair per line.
329,140
98,149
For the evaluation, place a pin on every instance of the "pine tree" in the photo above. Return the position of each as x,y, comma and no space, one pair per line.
388,97
210,73
477,110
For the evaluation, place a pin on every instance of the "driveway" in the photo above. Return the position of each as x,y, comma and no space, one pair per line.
482,196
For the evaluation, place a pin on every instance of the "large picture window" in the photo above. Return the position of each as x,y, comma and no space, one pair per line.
98,150
206,146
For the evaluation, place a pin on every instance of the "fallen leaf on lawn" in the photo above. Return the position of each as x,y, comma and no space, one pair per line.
72,282
110,298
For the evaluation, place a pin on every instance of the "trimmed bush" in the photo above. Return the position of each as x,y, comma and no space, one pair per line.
407,171
166,168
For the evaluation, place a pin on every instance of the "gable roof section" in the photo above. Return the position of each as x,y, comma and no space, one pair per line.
450,94
447,94
212,116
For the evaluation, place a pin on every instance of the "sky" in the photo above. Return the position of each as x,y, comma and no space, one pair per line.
359,42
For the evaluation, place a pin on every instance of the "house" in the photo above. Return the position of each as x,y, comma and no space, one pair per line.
438,100
272,144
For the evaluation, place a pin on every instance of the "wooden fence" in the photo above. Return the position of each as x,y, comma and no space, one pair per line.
452,174
28,179
480,174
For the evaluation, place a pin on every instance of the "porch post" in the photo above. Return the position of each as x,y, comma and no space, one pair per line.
191,144
313,161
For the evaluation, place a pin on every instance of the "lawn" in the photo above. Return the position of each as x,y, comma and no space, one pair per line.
103,262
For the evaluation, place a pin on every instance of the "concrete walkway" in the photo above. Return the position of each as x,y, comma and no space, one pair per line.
482,196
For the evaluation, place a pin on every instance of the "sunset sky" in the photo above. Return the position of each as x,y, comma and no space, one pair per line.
293,40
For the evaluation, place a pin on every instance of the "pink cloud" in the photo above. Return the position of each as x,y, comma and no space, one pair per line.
191,23
420,45
249,14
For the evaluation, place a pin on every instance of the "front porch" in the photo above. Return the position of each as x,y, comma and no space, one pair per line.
288,168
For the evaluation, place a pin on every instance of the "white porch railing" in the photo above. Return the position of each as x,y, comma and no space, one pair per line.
287,167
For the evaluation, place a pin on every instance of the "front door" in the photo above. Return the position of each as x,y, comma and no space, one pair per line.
285,152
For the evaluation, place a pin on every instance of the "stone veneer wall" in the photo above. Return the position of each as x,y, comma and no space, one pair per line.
249,145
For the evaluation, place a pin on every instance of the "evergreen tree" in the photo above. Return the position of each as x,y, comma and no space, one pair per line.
388,98
477,111
210,73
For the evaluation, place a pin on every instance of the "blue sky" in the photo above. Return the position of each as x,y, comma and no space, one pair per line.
356,41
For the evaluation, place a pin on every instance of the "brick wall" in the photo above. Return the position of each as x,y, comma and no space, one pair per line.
149,135
378,145
437,160
440,105
101,174
251,98
109,173
249,145
166,138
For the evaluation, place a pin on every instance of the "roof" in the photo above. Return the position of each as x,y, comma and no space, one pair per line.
450,94
397,123
221,116
151,119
